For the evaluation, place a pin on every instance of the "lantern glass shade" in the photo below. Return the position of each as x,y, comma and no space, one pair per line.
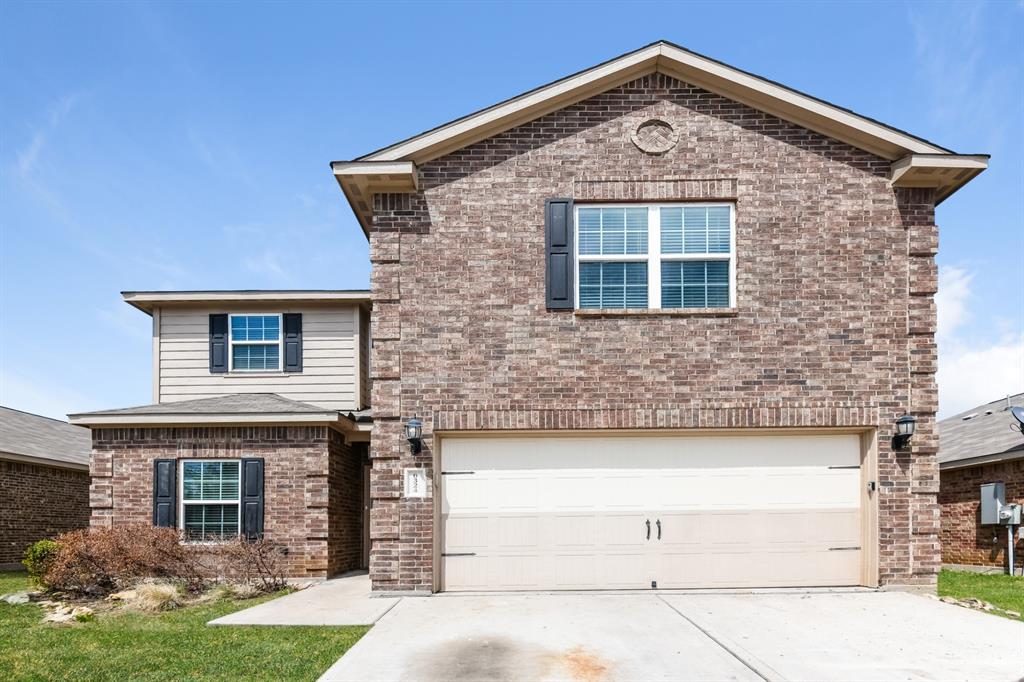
906,425
413,429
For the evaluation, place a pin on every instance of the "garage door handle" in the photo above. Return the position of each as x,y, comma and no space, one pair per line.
648,529
659,528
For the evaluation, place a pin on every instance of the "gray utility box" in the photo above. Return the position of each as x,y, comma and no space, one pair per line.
993,496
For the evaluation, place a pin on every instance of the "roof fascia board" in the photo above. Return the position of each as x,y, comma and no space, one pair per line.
44,461
522,109
87,419
146,301
790,105
945,172
982,459
357,168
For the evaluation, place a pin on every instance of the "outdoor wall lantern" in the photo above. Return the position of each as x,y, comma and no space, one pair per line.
905,427
414,434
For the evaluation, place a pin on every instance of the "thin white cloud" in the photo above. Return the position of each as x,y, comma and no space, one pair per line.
972,371
28,158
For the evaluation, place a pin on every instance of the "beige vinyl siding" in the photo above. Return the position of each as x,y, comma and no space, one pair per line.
364,358
329,358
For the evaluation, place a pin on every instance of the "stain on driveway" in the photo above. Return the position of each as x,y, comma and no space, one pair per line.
506,638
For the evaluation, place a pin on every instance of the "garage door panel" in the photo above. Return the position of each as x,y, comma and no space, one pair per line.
467,533
513,493
570,513
573,530
623,530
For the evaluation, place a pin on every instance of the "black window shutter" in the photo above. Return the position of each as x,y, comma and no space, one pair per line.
218,343
252,498
558,224
165,492
293,342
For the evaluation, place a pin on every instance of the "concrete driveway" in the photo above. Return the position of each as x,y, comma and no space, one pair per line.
674,636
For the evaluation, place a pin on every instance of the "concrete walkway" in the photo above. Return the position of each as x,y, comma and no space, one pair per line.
682,636
339,601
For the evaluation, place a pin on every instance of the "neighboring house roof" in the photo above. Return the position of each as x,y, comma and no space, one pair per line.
31,438
981,435
146,301
247,408
917,162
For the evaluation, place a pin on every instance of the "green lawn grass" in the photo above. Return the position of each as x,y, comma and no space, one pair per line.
171,646
1006,592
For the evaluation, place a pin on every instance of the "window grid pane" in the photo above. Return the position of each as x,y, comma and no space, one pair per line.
613,285
255,328
211,521
255,357
695,229
695,284
217,481
612,231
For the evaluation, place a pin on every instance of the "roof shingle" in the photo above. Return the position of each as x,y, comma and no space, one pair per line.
30,435
981,432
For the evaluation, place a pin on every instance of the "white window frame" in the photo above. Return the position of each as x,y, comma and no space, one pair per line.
280,343
654,257
182,501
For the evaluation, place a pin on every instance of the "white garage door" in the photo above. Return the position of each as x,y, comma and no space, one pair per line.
529,513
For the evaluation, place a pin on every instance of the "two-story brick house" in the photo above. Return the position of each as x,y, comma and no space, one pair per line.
658,319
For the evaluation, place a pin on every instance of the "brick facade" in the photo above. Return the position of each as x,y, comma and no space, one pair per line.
38,502
834,323
964,539
311,505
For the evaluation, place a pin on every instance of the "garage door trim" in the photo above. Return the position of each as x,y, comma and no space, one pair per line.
868,470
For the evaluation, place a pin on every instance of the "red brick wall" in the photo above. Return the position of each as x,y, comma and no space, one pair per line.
38,502
297,489
834,324
345,505
964,539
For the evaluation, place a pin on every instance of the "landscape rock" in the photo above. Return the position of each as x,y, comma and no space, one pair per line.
58,617
81,611
16,598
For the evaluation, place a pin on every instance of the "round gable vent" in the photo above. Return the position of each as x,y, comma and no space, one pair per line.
654,136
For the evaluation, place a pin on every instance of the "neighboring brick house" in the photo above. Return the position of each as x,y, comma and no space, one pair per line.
978,447
258,426
658,319
44,481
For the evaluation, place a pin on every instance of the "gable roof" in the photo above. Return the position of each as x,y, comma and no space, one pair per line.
393,168
981,435
32,438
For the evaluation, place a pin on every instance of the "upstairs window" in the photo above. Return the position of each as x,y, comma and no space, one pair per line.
210,502
658,256
255,343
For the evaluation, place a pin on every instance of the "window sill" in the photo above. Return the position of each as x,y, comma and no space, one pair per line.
646,312
256,375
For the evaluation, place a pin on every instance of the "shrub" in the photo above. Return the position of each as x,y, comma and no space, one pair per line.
256,564
39,556
155,597
101,560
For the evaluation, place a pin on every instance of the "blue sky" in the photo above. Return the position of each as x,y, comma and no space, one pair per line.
186,146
